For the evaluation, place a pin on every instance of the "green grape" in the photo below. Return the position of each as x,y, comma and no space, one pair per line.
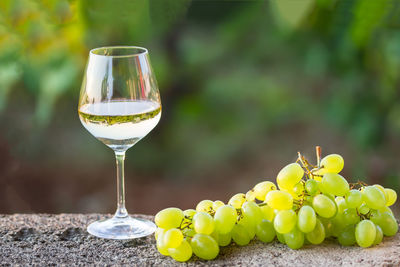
169,218
281,237
311,187
279,200
386,209
225,218
204,247
215,235
262,189
189,213
182,253
253,211
321,188
335,184
173,238
205,206
341,204
188,232
338,199
376,216
347,236
306,219
365,233
331,197
379,235
217,204
285,221
391,196
363,209
161,247
240,235
338,224
317,235
250,195
248,223
289,176
203,223
374,197
237,200
333,163
388,224
294,239
328,226
265,231
187,220
158,232
350,216
382,190
290,192
298,188
324,206
267,212
354,198
317,175
308,199
224,239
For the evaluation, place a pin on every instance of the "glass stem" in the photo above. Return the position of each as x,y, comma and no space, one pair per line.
121,210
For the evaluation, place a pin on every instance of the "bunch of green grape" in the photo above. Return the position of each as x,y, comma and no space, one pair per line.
313,202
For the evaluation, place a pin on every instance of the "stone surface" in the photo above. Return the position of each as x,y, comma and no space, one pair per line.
62,240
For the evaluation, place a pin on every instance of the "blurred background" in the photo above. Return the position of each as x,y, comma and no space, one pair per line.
244,86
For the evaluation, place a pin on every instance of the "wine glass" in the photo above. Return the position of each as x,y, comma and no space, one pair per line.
119,104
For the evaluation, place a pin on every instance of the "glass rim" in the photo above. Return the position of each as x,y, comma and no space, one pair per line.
140,51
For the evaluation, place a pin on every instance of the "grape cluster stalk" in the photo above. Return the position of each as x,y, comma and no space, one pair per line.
313,202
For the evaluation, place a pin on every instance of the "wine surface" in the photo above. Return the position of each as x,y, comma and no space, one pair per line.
120,124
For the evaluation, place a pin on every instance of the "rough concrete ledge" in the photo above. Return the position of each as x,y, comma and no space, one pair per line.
43,239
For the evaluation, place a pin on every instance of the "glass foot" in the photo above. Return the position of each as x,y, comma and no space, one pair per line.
121,228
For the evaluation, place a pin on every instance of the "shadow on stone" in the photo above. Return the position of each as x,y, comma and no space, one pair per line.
72,234
25,234
136,242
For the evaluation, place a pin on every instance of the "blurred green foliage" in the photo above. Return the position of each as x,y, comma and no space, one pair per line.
233,74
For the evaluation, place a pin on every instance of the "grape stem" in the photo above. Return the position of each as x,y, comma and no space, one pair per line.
364,216
306,165
319,153
359,184
301,159
185,225
240,215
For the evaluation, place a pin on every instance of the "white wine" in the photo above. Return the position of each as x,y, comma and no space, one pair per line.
120,124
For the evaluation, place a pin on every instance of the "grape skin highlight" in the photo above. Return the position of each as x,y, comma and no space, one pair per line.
306,219
182,253
203,223
285,221
324,206
335,184
333,163
173,238
289,176
365,233
224,219
204,247
317,235
279,200
169,218
374,197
